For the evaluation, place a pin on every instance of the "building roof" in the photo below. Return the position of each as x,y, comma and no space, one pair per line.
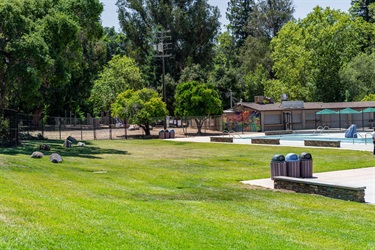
307,106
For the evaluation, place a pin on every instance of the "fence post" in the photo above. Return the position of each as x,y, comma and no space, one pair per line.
93,124
42,127
16,129
126,131
110,127
81,129
60,127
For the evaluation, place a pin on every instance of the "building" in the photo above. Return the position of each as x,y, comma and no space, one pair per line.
297,115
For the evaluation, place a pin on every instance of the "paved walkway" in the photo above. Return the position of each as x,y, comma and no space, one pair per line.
355,177
362,177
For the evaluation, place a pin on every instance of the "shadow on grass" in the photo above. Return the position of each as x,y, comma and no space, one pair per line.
28,147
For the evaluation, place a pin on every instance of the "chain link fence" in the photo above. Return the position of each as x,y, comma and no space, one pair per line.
28,127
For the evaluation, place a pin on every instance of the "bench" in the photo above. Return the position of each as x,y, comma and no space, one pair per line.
321,143
310,186
221,139
265,141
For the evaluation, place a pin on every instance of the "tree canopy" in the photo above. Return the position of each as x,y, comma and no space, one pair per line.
140,107
199,100
192,27
47,49
309,53
119,75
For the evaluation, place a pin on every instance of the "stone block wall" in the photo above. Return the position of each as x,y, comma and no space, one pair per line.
221,139
319,143
265,141
326,189
278,132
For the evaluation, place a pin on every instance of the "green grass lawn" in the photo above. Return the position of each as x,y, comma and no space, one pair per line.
154,194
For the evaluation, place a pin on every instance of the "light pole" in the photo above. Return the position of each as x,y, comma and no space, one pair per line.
160,48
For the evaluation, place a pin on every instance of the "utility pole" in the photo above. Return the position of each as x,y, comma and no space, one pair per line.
160,48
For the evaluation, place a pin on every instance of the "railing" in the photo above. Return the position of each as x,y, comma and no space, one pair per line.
366,137
361,137
231,133
321,129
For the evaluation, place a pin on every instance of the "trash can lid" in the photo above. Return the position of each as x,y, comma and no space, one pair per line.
291,157
278,157
305,156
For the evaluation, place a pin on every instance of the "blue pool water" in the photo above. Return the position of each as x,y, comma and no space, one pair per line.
323,137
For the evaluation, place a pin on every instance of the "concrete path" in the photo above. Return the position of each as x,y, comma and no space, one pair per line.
354,177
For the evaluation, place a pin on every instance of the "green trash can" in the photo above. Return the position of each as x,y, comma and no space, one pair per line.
278,166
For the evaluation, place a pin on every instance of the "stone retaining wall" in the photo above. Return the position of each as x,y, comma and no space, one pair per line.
221,139
320,143
278,132
315,187
265,141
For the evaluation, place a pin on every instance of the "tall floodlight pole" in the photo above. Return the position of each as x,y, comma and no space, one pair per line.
160,49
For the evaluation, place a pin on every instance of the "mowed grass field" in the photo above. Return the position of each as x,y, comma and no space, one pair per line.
153,194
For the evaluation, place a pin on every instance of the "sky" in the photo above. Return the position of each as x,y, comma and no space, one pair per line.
302,8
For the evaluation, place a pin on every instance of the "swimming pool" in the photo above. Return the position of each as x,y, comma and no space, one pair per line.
322,137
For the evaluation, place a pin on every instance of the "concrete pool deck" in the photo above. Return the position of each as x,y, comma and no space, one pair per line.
292,143
354,177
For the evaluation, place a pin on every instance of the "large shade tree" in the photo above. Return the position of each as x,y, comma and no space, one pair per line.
309,53
224,74
197,100
142,107
358,77
49,53
362,8
269,16
192,27
119,75
238,14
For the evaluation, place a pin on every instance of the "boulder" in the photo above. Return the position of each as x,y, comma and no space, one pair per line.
72,139
45,147
67,144
55,158
37,154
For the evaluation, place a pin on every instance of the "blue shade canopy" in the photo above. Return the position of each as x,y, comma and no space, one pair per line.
349,111
368,110
327,112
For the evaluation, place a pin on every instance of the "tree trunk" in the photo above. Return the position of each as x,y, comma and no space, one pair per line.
37,116
146,128
200,124
3,87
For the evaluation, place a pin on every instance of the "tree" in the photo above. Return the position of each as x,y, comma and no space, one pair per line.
116,43
119,75
268,17
358,77
22,52
308,54
49,53
192,26
370,97
361,8
199,100
141,107
86,13
256,65
225,74
238,14
193,73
